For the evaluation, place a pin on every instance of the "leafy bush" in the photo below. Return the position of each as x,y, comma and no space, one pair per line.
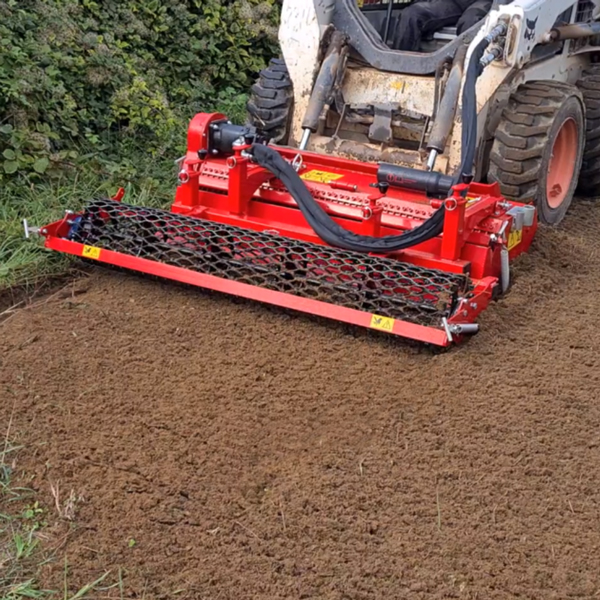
101,80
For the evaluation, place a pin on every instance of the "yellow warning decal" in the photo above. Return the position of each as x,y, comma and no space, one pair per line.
91,252
515,238
382,323
472,199
320,176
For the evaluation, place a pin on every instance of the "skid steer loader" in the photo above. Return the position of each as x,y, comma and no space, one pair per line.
538,101
385,189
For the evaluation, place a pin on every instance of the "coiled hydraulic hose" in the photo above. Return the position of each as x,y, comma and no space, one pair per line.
335,235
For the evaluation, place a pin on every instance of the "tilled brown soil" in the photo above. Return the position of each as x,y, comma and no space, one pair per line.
253,454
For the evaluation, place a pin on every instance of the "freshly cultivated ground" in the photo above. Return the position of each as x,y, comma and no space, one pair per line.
222,450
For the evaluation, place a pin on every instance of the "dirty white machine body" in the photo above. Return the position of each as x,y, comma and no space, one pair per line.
404,108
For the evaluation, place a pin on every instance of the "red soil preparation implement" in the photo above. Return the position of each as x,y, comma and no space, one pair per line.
415,253
342,239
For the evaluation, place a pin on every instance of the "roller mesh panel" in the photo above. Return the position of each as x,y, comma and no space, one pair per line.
375,285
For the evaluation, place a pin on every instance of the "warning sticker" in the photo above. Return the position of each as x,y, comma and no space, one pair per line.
515,238
320,176
91,252
382,323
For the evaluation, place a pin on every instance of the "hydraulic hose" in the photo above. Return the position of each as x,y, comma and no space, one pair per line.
335,235
325,227
469,113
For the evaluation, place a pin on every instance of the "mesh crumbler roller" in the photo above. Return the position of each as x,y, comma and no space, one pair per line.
343,278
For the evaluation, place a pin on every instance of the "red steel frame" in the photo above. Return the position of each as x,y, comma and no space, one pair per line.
235,191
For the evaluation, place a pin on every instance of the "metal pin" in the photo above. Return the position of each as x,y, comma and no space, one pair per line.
447,329
29,230
305,138
431,160
504,269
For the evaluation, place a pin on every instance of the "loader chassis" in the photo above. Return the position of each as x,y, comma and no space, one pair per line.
401,86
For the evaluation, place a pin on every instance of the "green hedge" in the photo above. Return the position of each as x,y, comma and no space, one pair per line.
99,81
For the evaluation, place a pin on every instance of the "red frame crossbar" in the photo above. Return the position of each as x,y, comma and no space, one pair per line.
420,333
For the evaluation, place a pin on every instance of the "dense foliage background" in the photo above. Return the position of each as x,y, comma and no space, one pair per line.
99,94
101,81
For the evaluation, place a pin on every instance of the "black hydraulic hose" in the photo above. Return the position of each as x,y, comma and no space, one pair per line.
335,235
325,227
469,114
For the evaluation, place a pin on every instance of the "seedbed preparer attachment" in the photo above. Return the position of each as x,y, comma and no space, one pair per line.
379,246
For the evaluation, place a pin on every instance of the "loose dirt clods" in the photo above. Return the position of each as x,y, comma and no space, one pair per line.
254,454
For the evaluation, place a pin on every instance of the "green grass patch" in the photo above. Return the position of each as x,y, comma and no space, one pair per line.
19,525
22,551
24,262
149,179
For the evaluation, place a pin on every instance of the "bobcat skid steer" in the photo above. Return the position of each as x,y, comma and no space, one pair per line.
340,89
388,190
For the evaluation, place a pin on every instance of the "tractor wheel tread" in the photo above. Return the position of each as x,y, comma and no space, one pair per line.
523,131
591,168
543,94
273,75
520,150
274,84
589,184
593,116
592,154
278,64
267,123
592,103
270,106
592,145
520,118
511,166
528,99
518,154
532,109
518,179
591,93
266,114
266,104
261,92
589,81
280,101
593,134
589,85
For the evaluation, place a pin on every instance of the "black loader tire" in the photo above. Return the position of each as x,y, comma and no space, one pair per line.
271,103
589,179
521,160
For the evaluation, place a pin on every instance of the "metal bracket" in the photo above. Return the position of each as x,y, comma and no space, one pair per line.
458,329
381,129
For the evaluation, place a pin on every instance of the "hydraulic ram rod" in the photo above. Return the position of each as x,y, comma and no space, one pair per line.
574,31
323,90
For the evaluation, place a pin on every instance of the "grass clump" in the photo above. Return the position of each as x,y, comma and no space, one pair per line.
19,526
22,551
25,263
